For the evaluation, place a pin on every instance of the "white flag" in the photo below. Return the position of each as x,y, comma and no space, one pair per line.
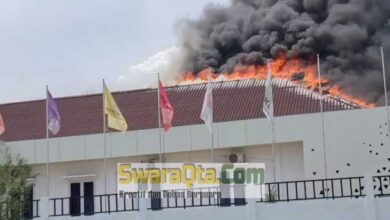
207,110
268,104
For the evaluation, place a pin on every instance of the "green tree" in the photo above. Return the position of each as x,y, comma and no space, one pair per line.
14,172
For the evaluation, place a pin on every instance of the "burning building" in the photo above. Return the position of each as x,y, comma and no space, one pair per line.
293,70
333,164
354,140
241,37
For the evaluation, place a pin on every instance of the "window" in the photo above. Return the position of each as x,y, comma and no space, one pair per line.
76,192
89,208
74,201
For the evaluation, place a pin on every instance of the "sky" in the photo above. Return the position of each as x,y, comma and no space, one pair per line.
71,45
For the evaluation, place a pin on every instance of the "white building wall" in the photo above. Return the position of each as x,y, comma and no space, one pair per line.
348,136
289,163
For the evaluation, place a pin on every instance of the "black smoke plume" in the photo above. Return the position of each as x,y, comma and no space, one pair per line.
346,33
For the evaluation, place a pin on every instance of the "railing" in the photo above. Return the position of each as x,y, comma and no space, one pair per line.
30,210
381,185
313,189
110,203
184,198
195,197
90,205
350,187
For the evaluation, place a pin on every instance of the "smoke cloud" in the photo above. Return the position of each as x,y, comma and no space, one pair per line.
346,33
163,62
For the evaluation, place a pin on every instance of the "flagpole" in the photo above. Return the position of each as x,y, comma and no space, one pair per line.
47,143
104,139
322,114
273,147
159,117
272,130
385,88
212,123
212,143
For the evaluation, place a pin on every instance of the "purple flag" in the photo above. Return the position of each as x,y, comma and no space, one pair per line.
53,116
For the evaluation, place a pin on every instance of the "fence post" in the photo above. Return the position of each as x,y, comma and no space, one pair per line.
370,209
44,210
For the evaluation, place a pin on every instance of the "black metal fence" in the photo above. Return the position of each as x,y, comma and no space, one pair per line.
111,203
30,210
313,189
185,198
196,197
90,205
349,187
324,189
381,185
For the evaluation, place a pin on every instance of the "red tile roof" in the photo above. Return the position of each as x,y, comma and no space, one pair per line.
233,100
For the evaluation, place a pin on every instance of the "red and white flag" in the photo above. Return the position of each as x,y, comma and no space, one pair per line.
166,108
2,126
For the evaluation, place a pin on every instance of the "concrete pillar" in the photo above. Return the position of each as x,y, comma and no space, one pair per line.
142,202
370,209
278,163
250,210
44,210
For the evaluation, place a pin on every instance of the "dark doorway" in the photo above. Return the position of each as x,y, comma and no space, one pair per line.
89,208
28,203
74,201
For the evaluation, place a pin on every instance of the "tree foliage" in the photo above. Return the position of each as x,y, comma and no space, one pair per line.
14,173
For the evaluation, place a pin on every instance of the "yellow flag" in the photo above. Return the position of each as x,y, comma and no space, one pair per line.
115,118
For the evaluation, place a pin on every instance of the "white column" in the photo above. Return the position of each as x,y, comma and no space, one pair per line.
370,209
44,210
250,209
142,203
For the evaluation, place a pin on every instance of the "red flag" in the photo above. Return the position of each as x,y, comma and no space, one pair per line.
166,108
2,127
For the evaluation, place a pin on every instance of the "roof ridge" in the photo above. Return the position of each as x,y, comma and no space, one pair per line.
279,82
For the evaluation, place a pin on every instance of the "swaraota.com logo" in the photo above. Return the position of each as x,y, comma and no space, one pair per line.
173,180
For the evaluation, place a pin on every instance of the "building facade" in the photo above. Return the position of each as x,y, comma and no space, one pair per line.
330,165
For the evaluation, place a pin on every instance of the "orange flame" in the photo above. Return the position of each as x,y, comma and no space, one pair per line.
283,68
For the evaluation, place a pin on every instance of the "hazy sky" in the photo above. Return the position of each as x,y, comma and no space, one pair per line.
71,44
